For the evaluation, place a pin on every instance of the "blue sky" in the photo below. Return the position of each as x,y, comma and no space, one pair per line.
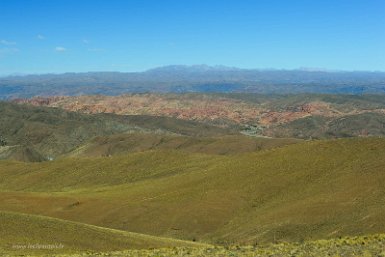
39,36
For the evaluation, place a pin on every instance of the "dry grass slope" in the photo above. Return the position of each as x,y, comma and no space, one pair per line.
305,191
366,246
44,235
137,142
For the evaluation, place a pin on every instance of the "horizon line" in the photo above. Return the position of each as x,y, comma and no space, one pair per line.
212,67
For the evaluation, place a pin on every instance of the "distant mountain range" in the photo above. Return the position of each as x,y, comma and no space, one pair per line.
196,78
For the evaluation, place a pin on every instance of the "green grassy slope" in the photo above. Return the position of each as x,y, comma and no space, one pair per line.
310,190
135,142
25,234
79,173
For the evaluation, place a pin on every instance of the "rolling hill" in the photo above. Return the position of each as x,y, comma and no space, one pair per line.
304,191
33,234
127,181
302,116
139,142
23,234
46,133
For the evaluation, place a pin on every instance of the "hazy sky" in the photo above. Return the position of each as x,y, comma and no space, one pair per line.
90,35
